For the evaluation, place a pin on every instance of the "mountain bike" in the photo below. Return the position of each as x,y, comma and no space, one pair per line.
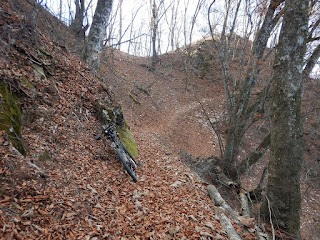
124,155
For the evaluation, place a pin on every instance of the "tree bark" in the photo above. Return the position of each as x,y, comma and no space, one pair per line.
97,33
154,23
268,25
283,188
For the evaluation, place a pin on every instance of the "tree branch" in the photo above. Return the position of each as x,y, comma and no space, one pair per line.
255,156
312,60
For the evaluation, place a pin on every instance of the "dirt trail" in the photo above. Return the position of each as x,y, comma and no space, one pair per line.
169,197
169,111
173,118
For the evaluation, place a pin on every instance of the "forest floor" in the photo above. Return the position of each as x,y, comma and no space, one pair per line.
79,190
178,122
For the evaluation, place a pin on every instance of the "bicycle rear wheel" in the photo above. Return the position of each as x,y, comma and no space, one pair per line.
127,164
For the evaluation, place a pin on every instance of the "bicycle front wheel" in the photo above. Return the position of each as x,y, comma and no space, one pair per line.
127,164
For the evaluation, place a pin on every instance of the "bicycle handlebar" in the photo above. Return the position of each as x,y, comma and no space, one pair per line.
109,129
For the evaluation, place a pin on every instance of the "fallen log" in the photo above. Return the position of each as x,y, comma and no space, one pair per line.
218,201
227,226
244,205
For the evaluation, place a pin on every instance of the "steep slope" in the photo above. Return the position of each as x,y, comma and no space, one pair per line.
157,103
69,186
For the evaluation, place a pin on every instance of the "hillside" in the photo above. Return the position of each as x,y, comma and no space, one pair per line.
174,118
70,186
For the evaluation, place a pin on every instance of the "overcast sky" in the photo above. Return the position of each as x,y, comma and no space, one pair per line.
136,20
141,23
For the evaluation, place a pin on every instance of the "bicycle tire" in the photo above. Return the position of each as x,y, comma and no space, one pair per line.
127,152
124,160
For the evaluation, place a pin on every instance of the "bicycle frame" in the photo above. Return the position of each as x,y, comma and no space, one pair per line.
128,161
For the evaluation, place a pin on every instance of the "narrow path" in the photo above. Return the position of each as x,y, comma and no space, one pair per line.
170,198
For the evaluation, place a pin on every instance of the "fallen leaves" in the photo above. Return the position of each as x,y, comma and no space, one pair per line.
43,212
29,213
85,197
68,215
5,200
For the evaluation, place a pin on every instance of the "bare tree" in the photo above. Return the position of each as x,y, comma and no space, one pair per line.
154,30
120,21
158,11
313,38
188,37
241,111
134,32
60,10
239,86
311,57
97,33
172,24
77,23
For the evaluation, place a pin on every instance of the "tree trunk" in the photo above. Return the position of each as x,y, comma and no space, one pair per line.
268,25
240,115
312,61
120,23
60,10
154,23
97,33
77,23
283,188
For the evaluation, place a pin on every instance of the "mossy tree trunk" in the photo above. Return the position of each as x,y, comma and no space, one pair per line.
97,33
283,188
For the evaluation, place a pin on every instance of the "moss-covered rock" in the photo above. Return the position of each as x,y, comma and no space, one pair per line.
107,111
44,157
10,117
127,139
26,82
